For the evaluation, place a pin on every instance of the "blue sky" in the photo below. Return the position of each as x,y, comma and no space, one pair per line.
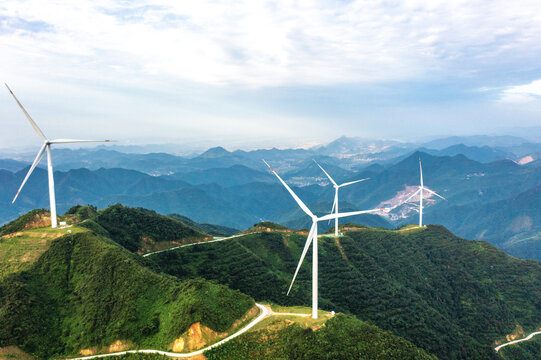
269,73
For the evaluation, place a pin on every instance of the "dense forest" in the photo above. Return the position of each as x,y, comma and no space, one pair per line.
139,229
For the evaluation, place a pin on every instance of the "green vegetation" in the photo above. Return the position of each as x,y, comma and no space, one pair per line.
20,223
82,212
142,230
527,350
449,296
342,337
86,292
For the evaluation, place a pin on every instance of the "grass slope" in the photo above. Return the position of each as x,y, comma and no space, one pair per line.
452,297
86,291
18,251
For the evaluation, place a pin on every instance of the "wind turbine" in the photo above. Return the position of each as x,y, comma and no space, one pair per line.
336,187
420,192
312,238
45,147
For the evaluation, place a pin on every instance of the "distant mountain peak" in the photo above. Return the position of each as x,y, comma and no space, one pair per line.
214,152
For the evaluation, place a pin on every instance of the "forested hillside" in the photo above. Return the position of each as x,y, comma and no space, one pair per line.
87,292
84,294
141,230
450,296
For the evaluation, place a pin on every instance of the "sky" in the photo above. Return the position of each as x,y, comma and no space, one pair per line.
283,73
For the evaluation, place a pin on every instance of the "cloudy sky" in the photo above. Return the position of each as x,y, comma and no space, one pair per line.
286,72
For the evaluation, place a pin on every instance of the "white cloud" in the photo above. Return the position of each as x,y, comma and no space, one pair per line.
522,93
239,69
264,43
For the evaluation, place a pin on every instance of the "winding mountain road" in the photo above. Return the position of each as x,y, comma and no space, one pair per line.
529,337
265,312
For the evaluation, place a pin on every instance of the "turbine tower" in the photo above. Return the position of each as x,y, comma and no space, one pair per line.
45,147
312,238
336,187
420,192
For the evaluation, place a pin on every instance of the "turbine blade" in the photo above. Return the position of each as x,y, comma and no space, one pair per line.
34,125
411,196
67,141
353,182
421,171
433,192
329,176
346,214
297,199
34,164
304,251
333,206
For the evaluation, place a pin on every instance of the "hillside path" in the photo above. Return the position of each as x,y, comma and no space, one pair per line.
497,348
265,312
200,243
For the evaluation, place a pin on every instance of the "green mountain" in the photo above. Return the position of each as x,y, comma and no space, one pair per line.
87,292
141,230
513,224
449,296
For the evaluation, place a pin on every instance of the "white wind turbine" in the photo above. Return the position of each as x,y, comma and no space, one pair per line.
420,192
45,147
335,203
312,238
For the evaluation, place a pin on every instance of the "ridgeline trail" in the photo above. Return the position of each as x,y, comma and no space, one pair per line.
200,243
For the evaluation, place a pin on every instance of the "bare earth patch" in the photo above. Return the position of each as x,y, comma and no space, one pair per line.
39,220
199,336
13,352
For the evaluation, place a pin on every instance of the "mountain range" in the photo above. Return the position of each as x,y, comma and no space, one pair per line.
235,190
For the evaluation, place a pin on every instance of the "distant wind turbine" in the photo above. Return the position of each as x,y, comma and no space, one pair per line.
420,192
312,238
336,187
45,147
